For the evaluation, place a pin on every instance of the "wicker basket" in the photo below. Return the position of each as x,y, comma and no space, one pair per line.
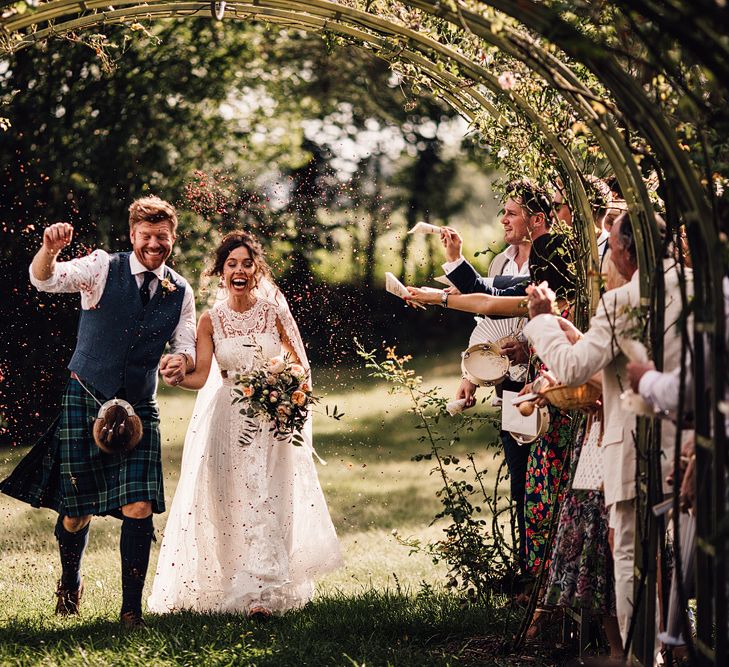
572,398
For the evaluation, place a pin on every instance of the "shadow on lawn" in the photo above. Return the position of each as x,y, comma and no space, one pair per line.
373,628
395,438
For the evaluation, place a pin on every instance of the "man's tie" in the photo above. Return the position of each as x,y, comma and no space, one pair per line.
144,289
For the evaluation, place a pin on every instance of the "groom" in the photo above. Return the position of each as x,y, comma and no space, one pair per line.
132,306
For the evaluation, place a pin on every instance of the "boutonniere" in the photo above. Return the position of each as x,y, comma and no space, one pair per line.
167,286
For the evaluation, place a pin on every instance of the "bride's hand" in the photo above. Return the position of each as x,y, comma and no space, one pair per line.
172,367
423,296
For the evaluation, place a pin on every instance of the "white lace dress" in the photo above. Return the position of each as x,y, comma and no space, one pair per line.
249,524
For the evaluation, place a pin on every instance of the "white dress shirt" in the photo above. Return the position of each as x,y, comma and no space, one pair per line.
661,390
88,275
511,268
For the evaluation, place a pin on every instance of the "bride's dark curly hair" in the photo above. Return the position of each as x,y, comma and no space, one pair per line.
241,239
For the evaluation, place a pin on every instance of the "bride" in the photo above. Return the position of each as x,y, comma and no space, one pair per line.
249,527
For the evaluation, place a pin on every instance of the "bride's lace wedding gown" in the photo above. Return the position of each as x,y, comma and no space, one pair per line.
249,525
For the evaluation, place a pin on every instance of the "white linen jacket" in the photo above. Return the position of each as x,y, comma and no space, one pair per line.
603,348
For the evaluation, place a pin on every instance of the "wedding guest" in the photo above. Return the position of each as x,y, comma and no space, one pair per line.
527,220
527,215
615,210
617,207
580,569
661,390
598,192
560,206
513,263
601,204
603,347
580,575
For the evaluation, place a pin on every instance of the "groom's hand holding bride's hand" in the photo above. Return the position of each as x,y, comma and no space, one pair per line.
173,367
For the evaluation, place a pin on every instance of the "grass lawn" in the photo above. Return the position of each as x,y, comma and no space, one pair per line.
384,607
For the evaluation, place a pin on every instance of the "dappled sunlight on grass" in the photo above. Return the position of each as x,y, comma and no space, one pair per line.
372,486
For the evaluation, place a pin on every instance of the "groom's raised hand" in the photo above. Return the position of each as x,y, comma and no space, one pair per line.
57,237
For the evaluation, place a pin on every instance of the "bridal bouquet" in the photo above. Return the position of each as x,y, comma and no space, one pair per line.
278,391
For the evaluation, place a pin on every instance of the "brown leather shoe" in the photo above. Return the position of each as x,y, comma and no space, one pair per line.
68,602
259,613
131,621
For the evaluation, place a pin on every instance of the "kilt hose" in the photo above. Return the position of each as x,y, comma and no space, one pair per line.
67,472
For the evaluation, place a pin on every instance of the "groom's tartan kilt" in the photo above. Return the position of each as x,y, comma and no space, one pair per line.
67,472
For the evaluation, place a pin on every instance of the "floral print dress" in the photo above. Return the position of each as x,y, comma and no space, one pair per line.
581,570
546,483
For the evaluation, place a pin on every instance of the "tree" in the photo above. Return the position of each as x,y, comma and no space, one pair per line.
81,144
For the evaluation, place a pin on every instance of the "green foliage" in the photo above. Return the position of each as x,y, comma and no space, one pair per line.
480,557
211,118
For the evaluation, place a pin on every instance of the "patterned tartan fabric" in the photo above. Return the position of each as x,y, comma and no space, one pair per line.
67,472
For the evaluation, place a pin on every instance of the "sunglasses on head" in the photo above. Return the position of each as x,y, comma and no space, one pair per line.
156,217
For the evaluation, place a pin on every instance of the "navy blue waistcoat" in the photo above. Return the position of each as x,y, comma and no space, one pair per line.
120,342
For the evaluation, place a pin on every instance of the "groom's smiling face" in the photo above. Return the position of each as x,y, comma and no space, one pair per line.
152,242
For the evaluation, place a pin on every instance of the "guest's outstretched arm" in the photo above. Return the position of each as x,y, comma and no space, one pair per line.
483,304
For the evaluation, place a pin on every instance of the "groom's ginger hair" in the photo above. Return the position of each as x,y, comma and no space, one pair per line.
152,209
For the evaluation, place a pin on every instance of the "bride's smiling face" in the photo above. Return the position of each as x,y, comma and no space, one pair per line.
239,271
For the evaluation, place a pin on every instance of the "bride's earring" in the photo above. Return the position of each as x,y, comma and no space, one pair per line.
222,290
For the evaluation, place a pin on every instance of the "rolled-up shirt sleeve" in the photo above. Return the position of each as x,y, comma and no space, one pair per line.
183,337
661,390
86,275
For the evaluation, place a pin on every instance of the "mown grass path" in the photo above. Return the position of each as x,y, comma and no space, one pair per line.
384,607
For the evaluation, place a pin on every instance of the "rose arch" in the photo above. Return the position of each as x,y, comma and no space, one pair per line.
636,84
